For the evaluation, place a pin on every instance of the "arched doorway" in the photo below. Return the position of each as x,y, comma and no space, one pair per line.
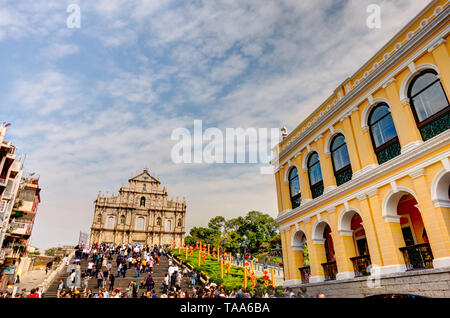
416,251
169,226
352,229
300,252
440,195
440,190
140,223
322,235
110,223
329,268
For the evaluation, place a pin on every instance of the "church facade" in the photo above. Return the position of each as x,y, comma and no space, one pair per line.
140,213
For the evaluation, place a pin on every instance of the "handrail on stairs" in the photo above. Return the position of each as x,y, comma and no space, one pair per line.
50,278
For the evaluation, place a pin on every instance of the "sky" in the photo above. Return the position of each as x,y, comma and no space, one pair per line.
94,105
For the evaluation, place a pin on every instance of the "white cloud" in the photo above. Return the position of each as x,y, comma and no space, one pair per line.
233,66
45,93
58,50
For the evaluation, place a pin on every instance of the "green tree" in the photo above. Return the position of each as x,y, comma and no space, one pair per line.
217,223
305,254
189,240
275,242
203,234
50,251
234,224
252,231
258,228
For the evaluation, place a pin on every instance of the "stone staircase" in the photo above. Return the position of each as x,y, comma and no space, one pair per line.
159,271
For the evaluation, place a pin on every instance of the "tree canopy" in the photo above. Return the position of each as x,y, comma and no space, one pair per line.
253,231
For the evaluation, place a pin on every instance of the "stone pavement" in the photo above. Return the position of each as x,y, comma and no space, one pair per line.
31,280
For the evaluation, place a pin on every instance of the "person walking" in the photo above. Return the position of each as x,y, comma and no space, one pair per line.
138,270
105,278
71,279
111,282
100,279
150,283
85,282
90,267
119,270
108,267
47,267
61,286
150,265
166,283
118,260
192,280
124,270
173,279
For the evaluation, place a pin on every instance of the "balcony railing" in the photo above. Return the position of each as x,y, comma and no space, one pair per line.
344,175
317,190
436,126
391,150
305,273
21,228
417,256
6,252
296,201
361,265
330,270
11,252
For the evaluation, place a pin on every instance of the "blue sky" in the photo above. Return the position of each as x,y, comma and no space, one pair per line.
91,106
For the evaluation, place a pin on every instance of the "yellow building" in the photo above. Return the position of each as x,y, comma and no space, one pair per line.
363,182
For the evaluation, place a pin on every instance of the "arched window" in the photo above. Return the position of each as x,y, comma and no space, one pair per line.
143,201
341,161
111,221
158,221
429,104
180,222
382,131
140,223
99,218
168,226
122,219
315,175
294,188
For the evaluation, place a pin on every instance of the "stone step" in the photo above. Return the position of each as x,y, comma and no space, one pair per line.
159,271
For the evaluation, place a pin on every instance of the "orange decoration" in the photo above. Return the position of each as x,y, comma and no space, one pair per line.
266,278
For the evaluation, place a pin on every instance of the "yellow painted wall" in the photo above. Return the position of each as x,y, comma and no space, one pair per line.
384,236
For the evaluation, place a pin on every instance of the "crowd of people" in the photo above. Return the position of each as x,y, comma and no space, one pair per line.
178,281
